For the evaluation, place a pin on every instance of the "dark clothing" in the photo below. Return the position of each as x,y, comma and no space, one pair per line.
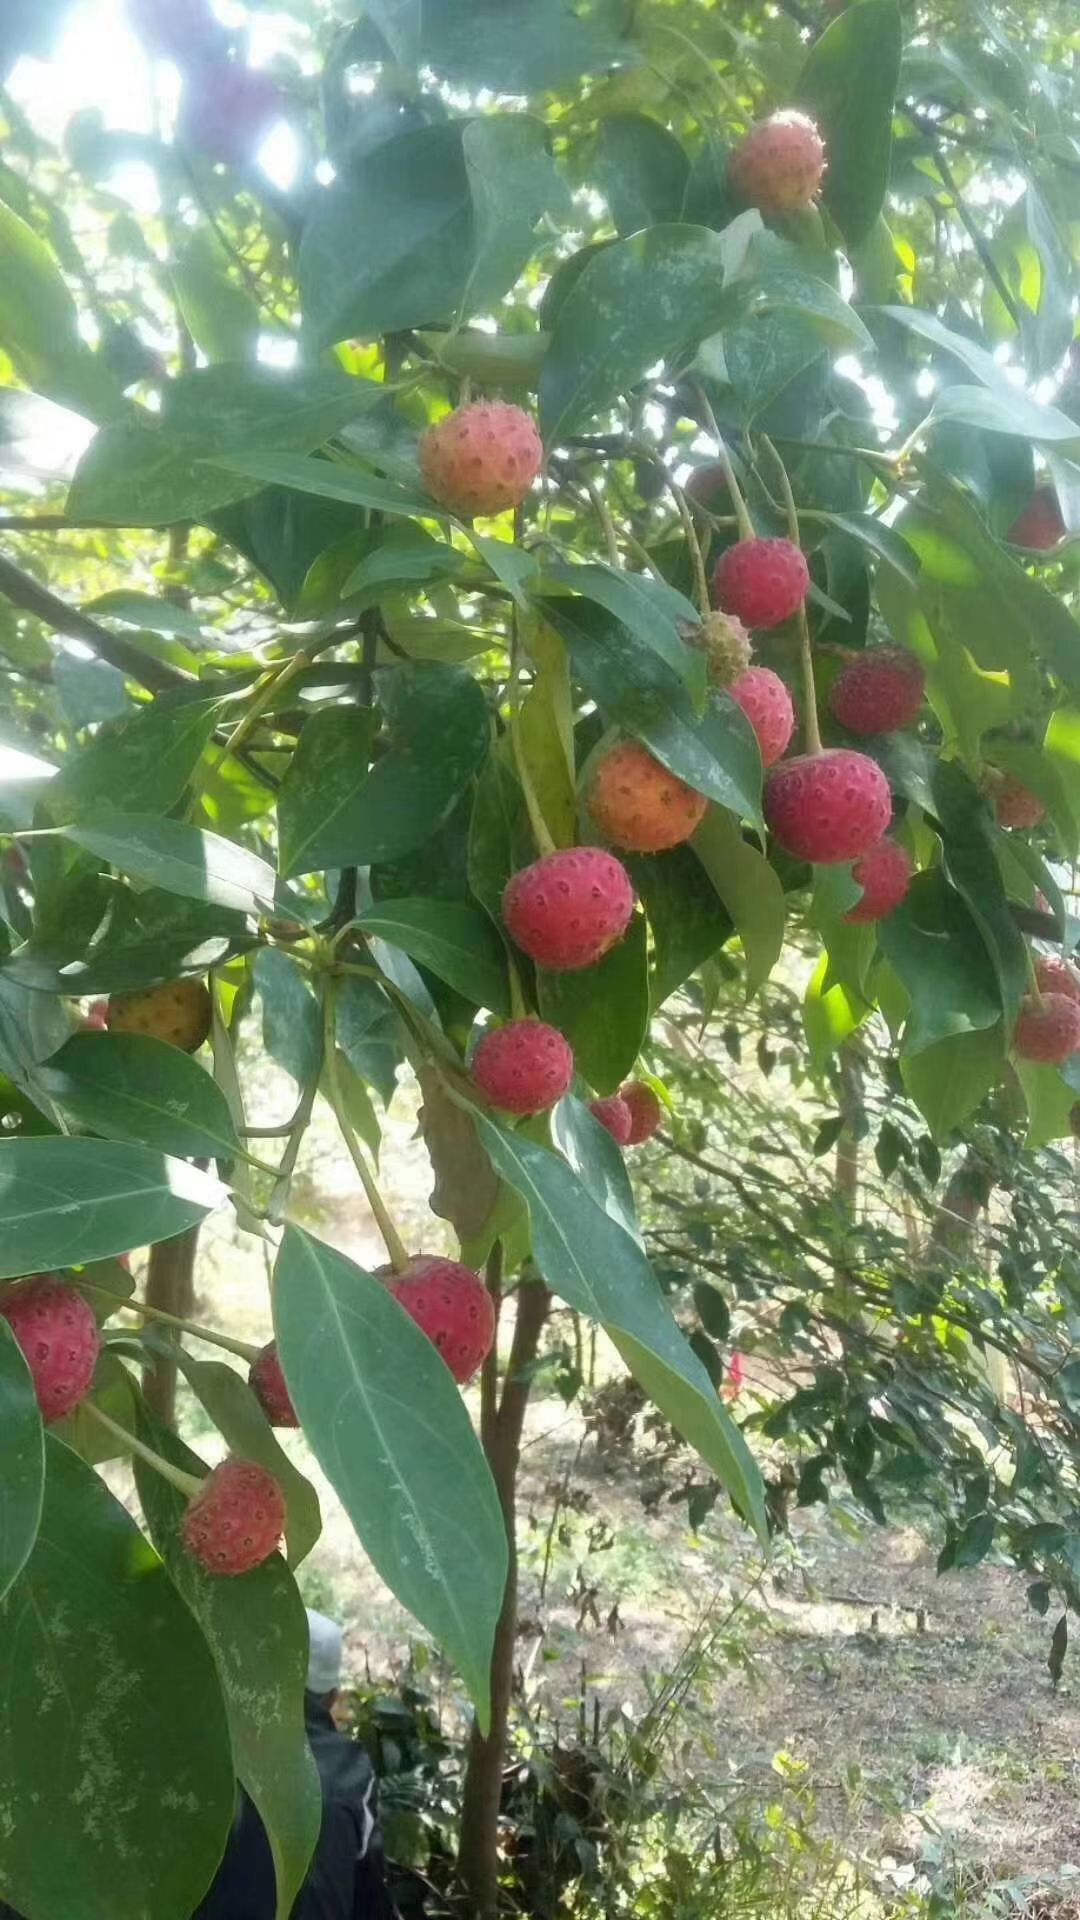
347,1879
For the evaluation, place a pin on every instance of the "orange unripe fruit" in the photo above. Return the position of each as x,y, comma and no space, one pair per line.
638,805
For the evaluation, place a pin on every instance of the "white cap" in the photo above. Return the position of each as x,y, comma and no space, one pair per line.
324,1653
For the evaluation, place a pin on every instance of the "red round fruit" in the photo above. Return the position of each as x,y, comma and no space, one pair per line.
59,1337
762,582
236,1519
779,165
646,1112
614,1114
828,807
1048,1028
1015,804
569,909
884,874
268,1385
525,1067
451,1304
879,691
638,805
482,458
1040,528
769,708
1054,975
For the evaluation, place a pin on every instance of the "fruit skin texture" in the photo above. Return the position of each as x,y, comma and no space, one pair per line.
727,645
1015,804
769,708
638,805
828,807
614,1114
178,1012
59,1338
236,1519
646,1112
1048,1030
268,1385
1040,526
482,458
879,691
524,1067
762,582
884,874
569,909
1054,975
451,1304
779,165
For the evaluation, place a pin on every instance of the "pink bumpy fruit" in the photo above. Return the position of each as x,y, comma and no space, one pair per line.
236,1519
879,691
828,807
646,1112
1053,975
769,708
1040,527
569,909
481,458
268,1386
884,874
638,805
614,1114
525,1067
1048,1029
59,1338
762,582
1015,804
451,1304
779,165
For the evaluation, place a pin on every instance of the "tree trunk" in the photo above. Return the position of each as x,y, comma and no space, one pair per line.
170,1286
478,1861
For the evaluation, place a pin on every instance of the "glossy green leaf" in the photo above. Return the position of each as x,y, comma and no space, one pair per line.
453,939
141,765
967,838
243,1425
142,938
439,733
587,1258
831,1013
517,46
603,1011
599,1164
500,839
749,888
371,1391
180,858
221,317
291,1018
110,1708
686,919
127,1086
653,612
718,753
1050,1103
849,84
354,486
936,950
64,1202
320,806
368,1033
949,1080
257,1633
640,169
22,1460
545,735
512,181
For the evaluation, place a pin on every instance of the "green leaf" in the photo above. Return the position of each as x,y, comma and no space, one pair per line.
604,1011
640,169
718,753
328,479
142,939
109,1708
831,1013
23,1456
127,1086
320,806
64,1202
221,317
1003,407
512,181
1050,1102
39,328
179,858
388,1427
687,922
367,1033
766,356
849,84
145,610
292,1029
140,765
968,831
937,951
587,1258
949,1080
651,610
500,839
257,1633
749,888
452,938
517,46
598,1163
439,734
545,735
647,298
243,1425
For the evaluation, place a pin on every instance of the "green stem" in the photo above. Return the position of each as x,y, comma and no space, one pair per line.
241,1348
541,832
806,653
603,513
186,1483
273,684
395,1246
697,564
742,512
279,1199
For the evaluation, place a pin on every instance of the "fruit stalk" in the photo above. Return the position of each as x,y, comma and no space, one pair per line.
392,1240
185,1483
742,512
242,1348
811,730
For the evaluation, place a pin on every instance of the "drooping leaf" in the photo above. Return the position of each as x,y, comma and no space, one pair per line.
453,939
849,85
948,1080
749,888
64,1202
39,327
512,181
320,806
936,950
140,765
603,1011
591,1152
179,858
110,1708
439,730
291,1019
686,919
140,940
127,1086
385,1421
641,170
22,1460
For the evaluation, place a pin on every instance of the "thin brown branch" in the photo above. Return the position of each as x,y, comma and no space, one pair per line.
24,591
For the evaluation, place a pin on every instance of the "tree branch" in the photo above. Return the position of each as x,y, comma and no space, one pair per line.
24,591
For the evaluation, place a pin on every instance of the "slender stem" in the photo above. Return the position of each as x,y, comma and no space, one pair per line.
742,512
541,832
279,1199
989,264
395,1246
1033,978
273,684
697,564
806,653
130,660
603,513
185,1482
242,1348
